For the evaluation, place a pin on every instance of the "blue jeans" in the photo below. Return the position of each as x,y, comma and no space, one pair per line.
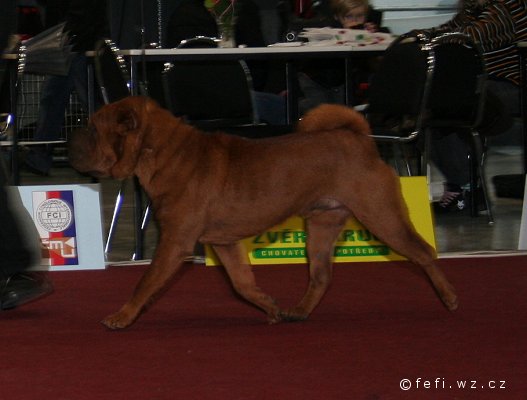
270,108
449,150
54,100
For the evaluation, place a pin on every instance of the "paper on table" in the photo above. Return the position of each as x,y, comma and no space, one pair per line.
336,36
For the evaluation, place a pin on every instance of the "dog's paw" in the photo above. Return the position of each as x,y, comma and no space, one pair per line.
119,320
451,302
293,315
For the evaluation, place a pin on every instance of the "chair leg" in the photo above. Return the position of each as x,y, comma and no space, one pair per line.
398,153
138,218
477,174
139,228
144,224
425,153
406,158
115,217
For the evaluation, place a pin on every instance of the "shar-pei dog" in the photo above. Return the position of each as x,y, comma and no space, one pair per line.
216,189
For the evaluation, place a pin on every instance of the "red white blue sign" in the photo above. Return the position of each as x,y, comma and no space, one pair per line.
54,217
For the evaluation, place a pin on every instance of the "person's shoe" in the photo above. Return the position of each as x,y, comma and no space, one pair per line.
452,200
28,166
35,162
21,288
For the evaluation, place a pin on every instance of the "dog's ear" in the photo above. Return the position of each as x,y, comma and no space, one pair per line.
128,119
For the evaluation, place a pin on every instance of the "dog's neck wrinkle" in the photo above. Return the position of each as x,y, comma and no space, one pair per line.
164,154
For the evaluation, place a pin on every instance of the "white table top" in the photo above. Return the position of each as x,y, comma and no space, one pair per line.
276,49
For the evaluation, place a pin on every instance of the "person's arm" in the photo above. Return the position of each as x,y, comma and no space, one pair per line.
7,19
492,28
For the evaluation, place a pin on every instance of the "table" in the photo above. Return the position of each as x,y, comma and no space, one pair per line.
290,54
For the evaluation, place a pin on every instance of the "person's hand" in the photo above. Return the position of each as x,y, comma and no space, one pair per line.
371,27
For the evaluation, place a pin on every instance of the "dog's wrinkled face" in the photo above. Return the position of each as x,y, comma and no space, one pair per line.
111,143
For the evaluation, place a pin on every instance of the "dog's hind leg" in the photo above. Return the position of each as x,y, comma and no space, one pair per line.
412,246
385,214
323,228
405,241
242,277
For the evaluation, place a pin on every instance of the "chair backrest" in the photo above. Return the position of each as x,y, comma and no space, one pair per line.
427,81
209,94
458,86
111,72
397,90
198,42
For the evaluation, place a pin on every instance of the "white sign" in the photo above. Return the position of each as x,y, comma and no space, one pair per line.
522,242
69,225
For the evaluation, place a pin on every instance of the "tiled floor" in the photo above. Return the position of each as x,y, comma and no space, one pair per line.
464,234
455,233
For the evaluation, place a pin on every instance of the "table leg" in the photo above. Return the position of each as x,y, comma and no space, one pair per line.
292,92
348,82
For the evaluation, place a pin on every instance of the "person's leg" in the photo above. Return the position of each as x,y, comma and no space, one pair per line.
17,286
16,256
314,94
54,100
337,95
79,75
270,108
449,153
507,132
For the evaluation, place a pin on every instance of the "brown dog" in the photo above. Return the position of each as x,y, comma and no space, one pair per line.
218,189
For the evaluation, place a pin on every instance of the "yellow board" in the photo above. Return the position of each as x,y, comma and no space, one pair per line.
285,243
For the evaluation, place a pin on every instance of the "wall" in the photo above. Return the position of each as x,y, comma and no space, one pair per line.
401,16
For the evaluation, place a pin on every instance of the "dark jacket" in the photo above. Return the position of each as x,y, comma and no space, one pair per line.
7,18
86,20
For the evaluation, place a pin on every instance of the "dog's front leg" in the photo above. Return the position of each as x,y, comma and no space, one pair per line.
167,261
242,277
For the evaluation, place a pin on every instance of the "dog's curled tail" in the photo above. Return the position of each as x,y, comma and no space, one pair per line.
327,117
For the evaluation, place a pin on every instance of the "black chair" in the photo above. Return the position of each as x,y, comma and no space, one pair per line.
397,98
215,95
430,82
113,79
111,72
210,96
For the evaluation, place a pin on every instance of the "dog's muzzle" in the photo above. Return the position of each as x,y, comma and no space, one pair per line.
81,150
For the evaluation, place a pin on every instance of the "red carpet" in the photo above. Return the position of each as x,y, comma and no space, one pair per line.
378,324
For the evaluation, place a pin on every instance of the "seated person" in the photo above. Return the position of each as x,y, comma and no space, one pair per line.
355,14
322,81
498,26
190,19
